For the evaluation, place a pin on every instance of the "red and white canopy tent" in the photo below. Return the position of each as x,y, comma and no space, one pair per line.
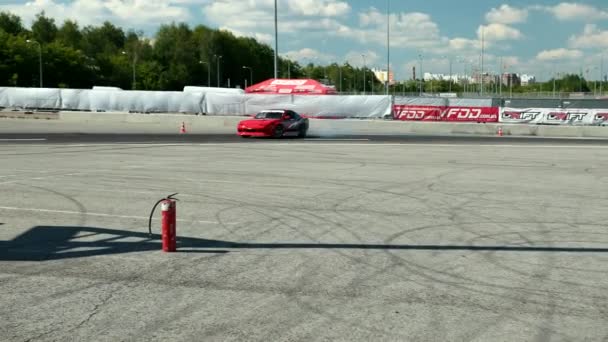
290,86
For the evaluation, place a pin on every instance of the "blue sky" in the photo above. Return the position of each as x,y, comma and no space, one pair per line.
536,37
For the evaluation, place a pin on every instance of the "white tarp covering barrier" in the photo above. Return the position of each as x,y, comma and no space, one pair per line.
47,98
107,88
326,106
462,102
554,116
196,89
103,100
217,101
144,101
421,101
75,99
443,102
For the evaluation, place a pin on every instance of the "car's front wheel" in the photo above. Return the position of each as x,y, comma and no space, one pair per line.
302,132
278,131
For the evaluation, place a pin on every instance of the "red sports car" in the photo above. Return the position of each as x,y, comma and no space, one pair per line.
274,123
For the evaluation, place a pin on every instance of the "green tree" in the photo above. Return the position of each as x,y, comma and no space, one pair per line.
11,23
18,61
102,41
67,67
69,34
44,29
176,52
105,55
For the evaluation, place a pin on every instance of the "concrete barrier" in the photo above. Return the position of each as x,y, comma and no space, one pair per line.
90,122
151,123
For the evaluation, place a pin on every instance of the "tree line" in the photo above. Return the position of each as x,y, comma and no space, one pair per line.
177,55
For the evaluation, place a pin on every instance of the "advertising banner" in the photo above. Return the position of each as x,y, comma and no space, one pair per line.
555,116
471,114
450,114
417,113
313,106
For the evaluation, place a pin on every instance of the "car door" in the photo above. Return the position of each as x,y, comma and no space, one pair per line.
291,122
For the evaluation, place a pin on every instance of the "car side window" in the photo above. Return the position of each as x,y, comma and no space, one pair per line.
293,115
288,115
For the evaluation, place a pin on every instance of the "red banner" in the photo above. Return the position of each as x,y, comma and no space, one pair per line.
417,113
451,114
470,114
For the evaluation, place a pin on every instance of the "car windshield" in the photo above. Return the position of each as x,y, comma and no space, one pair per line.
269,115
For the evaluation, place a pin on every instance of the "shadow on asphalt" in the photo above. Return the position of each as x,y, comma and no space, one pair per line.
43,243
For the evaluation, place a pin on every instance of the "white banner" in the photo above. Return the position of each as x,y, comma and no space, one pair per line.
319,106
47,98
103,100
555,116
195,100
197,89
443,102
133,101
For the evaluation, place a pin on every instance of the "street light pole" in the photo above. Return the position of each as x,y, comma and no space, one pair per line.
217,58
208,72
482,55
340,71
451,77
39,58
250,75
554,76
465,80
134,76
500,79
421,74
388,44
363,74
601,75
276,41
133,85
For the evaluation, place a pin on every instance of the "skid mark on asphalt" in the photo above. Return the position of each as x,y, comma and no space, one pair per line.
70,212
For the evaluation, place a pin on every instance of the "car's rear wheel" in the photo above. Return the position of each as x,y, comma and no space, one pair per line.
245,136
278,131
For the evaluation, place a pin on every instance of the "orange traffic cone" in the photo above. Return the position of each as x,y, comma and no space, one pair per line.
183,128
500,131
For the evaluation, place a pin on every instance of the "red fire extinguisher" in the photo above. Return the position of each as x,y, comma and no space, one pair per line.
168,223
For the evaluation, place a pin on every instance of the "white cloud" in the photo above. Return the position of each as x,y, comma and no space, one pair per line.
310,16
355,58
510,61
308,55
591,37
261,37
559,54
324,8
498,32
464,44
372,17
407,30
123,13
506,14
574,11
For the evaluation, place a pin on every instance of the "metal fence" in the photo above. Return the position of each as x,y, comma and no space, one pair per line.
504,95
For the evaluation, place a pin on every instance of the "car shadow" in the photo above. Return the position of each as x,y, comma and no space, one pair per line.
43,243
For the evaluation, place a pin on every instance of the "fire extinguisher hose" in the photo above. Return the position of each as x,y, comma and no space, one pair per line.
154,208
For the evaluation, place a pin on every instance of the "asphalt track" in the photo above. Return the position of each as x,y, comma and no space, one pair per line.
370,239
97,138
